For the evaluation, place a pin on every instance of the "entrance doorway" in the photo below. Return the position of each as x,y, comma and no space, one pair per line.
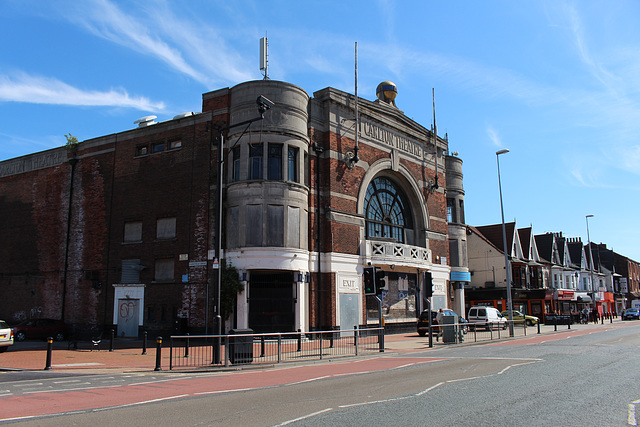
271,302
128,310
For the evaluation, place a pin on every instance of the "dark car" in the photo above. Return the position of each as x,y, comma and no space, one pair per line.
423,321
631,313
40,328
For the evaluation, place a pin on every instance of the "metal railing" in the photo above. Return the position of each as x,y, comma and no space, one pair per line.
198,351
480,331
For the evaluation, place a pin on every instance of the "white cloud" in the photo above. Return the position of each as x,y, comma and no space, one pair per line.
42,90
190,47
494,137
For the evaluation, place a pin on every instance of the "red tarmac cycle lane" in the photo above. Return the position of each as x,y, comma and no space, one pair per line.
56,402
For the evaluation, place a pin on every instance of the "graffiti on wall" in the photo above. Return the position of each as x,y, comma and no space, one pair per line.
33,313
127,310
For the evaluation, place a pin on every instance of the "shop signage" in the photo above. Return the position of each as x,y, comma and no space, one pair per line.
565,295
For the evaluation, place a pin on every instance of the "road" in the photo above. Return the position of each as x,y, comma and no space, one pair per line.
579,377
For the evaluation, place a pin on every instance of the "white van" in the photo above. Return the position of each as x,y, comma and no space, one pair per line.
487,317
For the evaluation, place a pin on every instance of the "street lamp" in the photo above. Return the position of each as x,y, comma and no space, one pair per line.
504,244
593,285
264,104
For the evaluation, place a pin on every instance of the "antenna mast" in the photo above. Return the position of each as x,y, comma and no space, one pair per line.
355,149
264,62
435,141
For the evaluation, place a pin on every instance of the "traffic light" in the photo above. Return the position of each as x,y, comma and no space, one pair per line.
427,283
378,276
368,281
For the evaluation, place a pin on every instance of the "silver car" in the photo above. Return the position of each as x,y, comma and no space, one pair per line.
6,336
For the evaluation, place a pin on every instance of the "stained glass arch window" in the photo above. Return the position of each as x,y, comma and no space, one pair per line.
387,211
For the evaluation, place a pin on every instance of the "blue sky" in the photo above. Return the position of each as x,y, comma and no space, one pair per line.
555,82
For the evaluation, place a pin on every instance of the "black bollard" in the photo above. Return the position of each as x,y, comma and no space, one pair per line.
111,340
538,326
262,349
299,340
49,349
186,346
144,343
158,354
555,324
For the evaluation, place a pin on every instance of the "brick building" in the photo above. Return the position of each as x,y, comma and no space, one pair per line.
120,231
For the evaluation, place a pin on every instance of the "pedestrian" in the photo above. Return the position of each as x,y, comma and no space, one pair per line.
439,323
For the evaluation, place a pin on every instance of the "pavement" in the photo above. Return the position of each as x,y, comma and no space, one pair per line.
127,355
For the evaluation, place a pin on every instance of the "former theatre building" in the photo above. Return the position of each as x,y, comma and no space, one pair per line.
120,232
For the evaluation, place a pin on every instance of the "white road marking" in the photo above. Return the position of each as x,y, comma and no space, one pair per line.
305,417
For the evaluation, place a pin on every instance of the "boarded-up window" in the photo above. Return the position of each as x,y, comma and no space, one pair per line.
453,253
166,228
293,227
164,270
275,229
131,269
133,231
232,227
254,225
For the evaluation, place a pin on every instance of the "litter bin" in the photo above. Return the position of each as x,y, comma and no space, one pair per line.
450,329
241,346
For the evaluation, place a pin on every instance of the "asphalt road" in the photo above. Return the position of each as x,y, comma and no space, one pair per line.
585,377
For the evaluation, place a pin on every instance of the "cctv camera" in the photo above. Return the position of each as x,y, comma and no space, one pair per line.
264,102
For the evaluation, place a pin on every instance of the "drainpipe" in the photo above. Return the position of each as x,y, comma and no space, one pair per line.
319,150
73,163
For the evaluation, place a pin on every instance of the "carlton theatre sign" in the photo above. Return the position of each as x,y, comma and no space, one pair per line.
391,139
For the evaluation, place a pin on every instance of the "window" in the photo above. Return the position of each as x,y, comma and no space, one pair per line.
450,210
307,169
386,210
255,161
235,171
142,150
164,270
274,171
166,228
158,147
131,269
151,314
292,160
133,231
293,227
453,253
461,212
233,228
275,225
254,225
174,145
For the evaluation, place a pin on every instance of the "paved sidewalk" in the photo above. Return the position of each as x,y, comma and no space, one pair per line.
127,355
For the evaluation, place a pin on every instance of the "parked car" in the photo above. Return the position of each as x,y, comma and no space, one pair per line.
6,336
423,321
40,328
518,317
631,313
487,317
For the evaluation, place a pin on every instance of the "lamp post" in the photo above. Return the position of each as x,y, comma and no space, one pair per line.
593,285
264,104
504,244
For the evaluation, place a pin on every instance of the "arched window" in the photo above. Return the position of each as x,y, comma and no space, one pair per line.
387,211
